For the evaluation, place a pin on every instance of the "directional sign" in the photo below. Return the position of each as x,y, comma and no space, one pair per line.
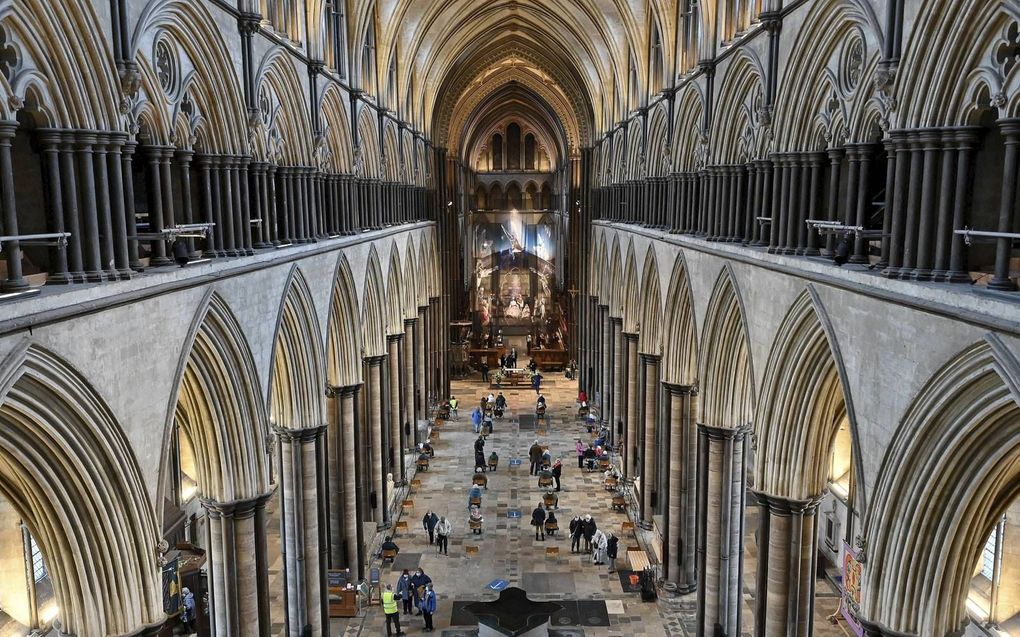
513,513
515,462
498,584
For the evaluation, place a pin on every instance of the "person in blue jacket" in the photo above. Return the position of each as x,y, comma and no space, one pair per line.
476,420
428,607
404,591
474,492
418,582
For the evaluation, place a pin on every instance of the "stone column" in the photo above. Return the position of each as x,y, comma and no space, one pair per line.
374,388
1007,206
931,150
421,404
48,142
966,140
681,522
119,210
650,458
238,570
89,207
352,517
631,413
69,183
608,363
131,227
787,532
156,201
410,408
396,446
302,520
104,204
618,397
722,457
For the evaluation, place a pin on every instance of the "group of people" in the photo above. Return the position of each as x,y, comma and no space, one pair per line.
439,529
411,590
488,408
603,547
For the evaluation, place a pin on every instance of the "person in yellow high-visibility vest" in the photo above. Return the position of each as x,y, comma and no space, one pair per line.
389,606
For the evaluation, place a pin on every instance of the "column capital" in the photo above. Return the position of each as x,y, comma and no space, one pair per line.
332,391
629,336
652,359
299,434
241,508
394,338
724,433
678,389
410,323
375,361
781,505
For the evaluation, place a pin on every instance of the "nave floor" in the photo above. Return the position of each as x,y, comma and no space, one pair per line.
507,549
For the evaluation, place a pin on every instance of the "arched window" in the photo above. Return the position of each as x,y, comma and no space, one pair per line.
658,64
496,199
531,200
529,152
368,67
632,86
547,197
689,41
497,152
481,198
513,197
513,147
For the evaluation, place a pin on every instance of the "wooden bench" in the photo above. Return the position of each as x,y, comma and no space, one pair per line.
619,503
638,559
388,555
471,550
481,481
416,483
407,506
422,464
628,526
552,551
401,525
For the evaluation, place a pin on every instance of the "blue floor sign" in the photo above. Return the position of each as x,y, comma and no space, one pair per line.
515,462
513,513
498,584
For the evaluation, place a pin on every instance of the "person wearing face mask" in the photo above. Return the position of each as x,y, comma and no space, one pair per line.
428,607
418,582
404,591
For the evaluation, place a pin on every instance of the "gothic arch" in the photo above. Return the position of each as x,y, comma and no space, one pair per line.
615,292
63,62
218,405
337,129
680,333
368,145
630,298
297,383
739,132
651,307
658,150
279,89
412,278
688,130
805,397
952,469
826,89
343,340
69,471
373,309
938,90
212,82
727,386
394,294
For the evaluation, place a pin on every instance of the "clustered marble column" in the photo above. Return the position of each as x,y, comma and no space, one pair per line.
649,424
421,365
786,575
631,414
343,484
722,466
395,452
377,448
410,406
238,568
679,554
618,380
301,466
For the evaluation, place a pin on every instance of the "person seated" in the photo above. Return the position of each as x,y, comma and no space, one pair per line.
589,458
480,459
551,524
493,461
474,495
545,477
501,401
533,366
475,520
428,448
546,459
423,461
389,549
480,478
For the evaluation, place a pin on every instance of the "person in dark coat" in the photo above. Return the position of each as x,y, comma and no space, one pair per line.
480,444
576,533
404,592
612,548
480,460
538,521
557,471
429,523
589,532
418,582
535,455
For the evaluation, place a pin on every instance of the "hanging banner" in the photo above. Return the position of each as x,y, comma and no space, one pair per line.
850,605
171,587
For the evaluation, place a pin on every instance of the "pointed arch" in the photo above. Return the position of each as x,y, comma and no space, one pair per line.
950,473
613,299
805,400
394,294
337,124
69,471
412,280
727,390
368,145
343,340
219,407
680,333
298,381
650,340
630,297
288,122
373,309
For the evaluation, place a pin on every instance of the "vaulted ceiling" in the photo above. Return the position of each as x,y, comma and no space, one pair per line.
568,66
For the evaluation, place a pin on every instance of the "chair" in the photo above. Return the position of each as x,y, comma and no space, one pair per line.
603,464
552,527
493,462
481,481
545,481
475,502
611,484
422,464
619,503
389,555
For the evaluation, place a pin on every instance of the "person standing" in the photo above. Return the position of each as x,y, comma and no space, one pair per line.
443,531
188,614
535,455
404,591
476,420
612,547
579,447
418,582
428,607
480,444
485,372
429,523
576,533
557,470
599,547
538,521
389,604
589,532
536,382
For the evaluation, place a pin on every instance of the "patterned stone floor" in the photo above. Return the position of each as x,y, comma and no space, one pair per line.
507,549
